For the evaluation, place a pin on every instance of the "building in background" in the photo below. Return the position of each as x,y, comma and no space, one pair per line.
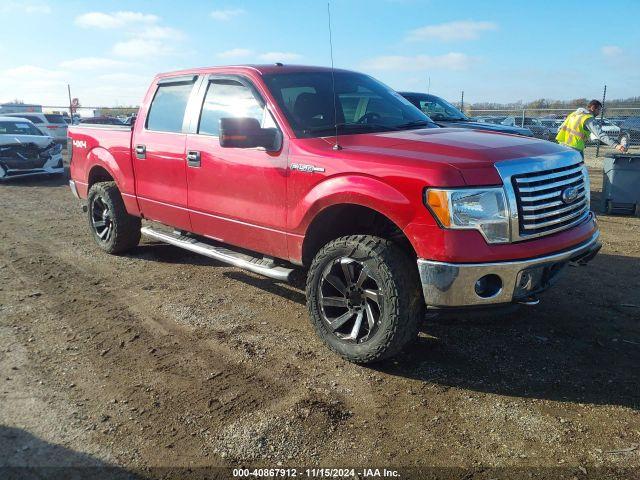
12,107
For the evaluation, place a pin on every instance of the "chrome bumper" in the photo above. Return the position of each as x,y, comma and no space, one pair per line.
455,285
74,189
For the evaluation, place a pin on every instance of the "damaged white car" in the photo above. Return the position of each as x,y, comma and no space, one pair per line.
25,150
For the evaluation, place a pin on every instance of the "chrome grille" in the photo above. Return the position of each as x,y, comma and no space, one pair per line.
539,197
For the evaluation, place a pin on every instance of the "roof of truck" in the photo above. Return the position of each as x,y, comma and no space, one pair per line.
261,69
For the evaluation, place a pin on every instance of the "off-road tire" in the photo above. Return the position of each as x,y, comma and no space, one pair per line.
126,228
403,304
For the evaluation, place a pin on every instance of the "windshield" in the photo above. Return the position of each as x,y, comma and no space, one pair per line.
19,128
439,109
363,104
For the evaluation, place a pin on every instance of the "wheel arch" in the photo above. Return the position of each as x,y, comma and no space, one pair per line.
98,173
103,167
328,211
343,219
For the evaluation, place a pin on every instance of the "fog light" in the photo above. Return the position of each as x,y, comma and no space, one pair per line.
526,281
488,286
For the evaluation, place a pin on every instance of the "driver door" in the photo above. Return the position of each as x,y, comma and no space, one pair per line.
236,195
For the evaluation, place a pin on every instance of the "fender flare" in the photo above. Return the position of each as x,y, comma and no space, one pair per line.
102,158
353,189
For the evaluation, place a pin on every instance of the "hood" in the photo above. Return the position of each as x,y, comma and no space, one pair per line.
41,141
492,127
472,153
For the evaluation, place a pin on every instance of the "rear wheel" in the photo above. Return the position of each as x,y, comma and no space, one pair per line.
113,229
364,298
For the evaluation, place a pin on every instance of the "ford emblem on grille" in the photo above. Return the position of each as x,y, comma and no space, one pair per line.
569,194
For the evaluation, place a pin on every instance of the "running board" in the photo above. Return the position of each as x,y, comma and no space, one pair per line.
262,266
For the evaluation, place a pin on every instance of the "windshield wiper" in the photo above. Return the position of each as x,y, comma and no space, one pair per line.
415,123
349,126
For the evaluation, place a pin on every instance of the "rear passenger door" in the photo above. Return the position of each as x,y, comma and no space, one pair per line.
159,154
236,195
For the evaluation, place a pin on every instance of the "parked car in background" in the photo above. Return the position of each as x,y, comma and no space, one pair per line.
272,167
630,131
101,120
535,125
129,120
551,122
608,127
617,121
489,119
25,150
446,115
51,124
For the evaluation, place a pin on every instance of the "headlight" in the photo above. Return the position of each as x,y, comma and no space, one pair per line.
483,209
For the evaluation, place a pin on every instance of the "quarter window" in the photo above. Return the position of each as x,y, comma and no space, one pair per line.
166,113
227,98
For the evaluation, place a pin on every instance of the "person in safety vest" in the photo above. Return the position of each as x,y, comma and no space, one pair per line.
579,125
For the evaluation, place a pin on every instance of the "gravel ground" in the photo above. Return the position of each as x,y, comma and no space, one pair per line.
161,363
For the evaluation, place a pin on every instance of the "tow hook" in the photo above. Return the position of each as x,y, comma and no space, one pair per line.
582,260
529,301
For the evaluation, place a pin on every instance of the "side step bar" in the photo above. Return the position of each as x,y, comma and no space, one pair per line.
261,266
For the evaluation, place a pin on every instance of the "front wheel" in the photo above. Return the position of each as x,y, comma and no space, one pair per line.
113,229
364,298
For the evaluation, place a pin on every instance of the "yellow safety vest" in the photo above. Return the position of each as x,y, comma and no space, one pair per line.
572,132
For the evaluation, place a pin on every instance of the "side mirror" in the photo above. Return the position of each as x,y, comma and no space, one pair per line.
245,132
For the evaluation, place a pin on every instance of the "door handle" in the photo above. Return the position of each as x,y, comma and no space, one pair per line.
193,158
141,151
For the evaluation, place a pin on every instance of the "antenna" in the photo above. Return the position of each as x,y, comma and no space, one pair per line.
429,86
333,81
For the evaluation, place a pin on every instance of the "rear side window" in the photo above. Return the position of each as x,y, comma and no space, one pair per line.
18,128
55,118
227,98
167,109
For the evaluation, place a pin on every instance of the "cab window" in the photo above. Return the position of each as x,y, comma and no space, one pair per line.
228,98
166,113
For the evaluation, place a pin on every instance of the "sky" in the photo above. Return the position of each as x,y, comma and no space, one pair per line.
496,51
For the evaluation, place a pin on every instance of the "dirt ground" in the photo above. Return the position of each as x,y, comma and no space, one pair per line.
160,363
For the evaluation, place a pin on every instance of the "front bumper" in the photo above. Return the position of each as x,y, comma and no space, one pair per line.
53,166
456,284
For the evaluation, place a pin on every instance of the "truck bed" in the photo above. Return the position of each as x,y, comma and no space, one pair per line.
99,148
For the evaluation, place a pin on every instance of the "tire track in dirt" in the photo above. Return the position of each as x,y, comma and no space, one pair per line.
51,265
129,361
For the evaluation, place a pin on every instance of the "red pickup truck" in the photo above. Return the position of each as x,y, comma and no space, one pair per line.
274,167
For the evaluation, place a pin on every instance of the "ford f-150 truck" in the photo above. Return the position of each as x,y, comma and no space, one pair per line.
274,167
